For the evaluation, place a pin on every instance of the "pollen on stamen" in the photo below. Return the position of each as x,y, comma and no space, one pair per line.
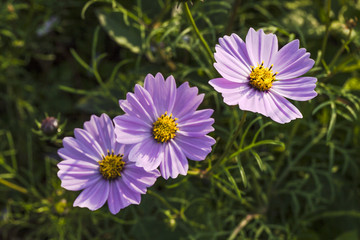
262,77
111,165
165,128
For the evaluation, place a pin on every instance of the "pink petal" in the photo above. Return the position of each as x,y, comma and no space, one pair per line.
187,100
93,197
131,129
291,62
174,163
73,150
281,110
301,89
235,46
142,108
261,47
195,148
102,129
77,174
114,202
88,142
223,85
147,154
229,66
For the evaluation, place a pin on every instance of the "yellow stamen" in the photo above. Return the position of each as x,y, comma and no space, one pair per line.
262,77
111,165
165,128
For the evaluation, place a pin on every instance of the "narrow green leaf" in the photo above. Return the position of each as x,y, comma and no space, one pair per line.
247,130
258,160
233,182
242,172
116,69
80,60
321,106
13,186
347,107
259,130
332,122
79,91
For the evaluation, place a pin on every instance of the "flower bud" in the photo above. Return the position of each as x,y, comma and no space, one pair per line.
49,126
351,23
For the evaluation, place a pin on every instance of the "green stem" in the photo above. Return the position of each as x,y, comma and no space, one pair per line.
202,40
13,186
252,145
299,156
233,15
94,66
239,128
242,224
328,23
281,159
163,200
236,133
339,52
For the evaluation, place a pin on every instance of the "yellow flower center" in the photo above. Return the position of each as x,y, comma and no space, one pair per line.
165,128
111,165
262,77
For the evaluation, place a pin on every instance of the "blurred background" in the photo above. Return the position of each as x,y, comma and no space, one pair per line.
61,61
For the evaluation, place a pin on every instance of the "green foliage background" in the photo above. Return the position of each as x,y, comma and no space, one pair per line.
71,59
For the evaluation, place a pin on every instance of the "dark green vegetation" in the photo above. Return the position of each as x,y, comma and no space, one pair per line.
300,180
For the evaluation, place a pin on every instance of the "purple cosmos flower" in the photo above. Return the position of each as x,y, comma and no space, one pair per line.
163,127
95,163
257,76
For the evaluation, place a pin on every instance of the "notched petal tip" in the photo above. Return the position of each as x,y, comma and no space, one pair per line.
296,42
149,75
170,78
311,61
159,75
137,88
251,30
234,35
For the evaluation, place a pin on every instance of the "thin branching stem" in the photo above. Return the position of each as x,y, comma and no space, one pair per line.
236,133
94,69
198,34
163,201
13,186
232,17
299,156
242,224
339,52
328,24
